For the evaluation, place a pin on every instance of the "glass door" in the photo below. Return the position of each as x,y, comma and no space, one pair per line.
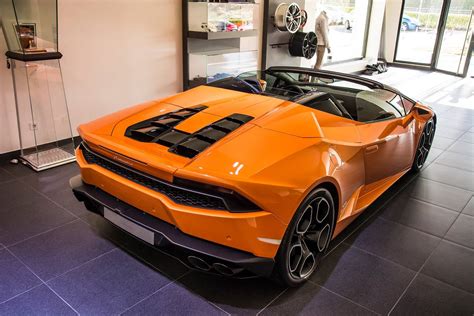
418,33
455,45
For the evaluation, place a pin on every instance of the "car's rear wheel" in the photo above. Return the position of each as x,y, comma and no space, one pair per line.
404,26
424,145
307,238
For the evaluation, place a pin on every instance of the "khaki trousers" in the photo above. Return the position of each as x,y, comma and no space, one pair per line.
319,56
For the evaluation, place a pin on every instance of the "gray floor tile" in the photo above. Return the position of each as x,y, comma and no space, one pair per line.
462,231
452,264
363,278
16,193
173,299
462,148
244,296
38,301
456,160
448,132
467,137
433,154
108,285
164,263
19,170
469,209
15,278
427,296
453,176
5,176
61,249
420,215
66,199
25,221
441,142
52,180
398,243
439,194
458,123
312,299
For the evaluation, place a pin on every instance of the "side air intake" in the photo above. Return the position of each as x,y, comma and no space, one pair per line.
197,142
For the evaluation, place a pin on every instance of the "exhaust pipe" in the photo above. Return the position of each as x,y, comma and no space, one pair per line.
199,263
225,270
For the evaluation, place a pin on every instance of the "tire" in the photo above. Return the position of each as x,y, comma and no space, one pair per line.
404,26
424,145
303,45
306,239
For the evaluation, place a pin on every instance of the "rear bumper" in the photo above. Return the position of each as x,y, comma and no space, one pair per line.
216,258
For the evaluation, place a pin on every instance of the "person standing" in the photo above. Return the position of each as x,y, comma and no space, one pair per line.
322,30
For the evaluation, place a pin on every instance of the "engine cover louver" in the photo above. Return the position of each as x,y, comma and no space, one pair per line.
152,129
202,139
161,130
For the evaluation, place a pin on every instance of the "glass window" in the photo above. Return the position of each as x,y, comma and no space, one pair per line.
377,105
407,105
348,21
418,30
397,103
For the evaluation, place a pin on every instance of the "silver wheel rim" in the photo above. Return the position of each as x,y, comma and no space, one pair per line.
310,237
293,18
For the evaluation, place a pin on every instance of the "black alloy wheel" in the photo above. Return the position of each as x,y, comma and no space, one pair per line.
424,145
307,238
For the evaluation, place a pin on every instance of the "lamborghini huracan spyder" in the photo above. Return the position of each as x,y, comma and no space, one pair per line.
254,174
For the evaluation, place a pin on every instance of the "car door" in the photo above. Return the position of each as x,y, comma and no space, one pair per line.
388,143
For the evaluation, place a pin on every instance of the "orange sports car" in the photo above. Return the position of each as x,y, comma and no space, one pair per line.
254,174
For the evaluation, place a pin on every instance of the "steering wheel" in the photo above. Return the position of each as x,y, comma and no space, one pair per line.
292,88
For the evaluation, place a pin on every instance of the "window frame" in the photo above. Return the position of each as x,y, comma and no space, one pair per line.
364,45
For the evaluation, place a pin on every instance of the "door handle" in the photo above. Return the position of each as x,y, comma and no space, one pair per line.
371,149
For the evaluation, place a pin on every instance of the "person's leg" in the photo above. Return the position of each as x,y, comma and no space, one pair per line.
319,56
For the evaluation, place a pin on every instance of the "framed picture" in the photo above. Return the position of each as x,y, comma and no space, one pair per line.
26,35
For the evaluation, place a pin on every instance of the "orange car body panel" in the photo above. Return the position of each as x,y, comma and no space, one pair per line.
274,160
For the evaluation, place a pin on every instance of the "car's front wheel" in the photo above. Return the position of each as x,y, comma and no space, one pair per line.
307,238
424,145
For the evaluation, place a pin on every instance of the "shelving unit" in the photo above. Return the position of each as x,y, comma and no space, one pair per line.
219,39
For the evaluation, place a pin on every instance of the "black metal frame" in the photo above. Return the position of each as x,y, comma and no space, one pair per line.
185,27
432,65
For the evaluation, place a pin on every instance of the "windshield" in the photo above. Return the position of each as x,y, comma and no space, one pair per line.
354,98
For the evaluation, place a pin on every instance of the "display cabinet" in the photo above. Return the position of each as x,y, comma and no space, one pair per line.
44,128
220,38
205,67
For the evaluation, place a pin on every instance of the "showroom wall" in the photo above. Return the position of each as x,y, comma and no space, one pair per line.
392,19
116,53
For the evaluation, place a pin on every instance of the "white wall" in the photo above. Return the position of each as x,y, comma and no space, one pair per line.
392,19
116,53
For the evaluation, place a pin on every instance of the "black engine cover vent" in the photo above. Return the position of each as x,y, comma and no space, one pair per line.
205,137
152,129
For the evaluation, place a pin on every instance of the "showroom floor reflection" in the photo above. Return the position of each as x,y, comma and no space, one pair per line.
412,251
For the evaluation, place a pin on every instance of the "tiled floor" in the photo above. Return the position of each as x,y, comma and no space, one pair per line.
411,252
